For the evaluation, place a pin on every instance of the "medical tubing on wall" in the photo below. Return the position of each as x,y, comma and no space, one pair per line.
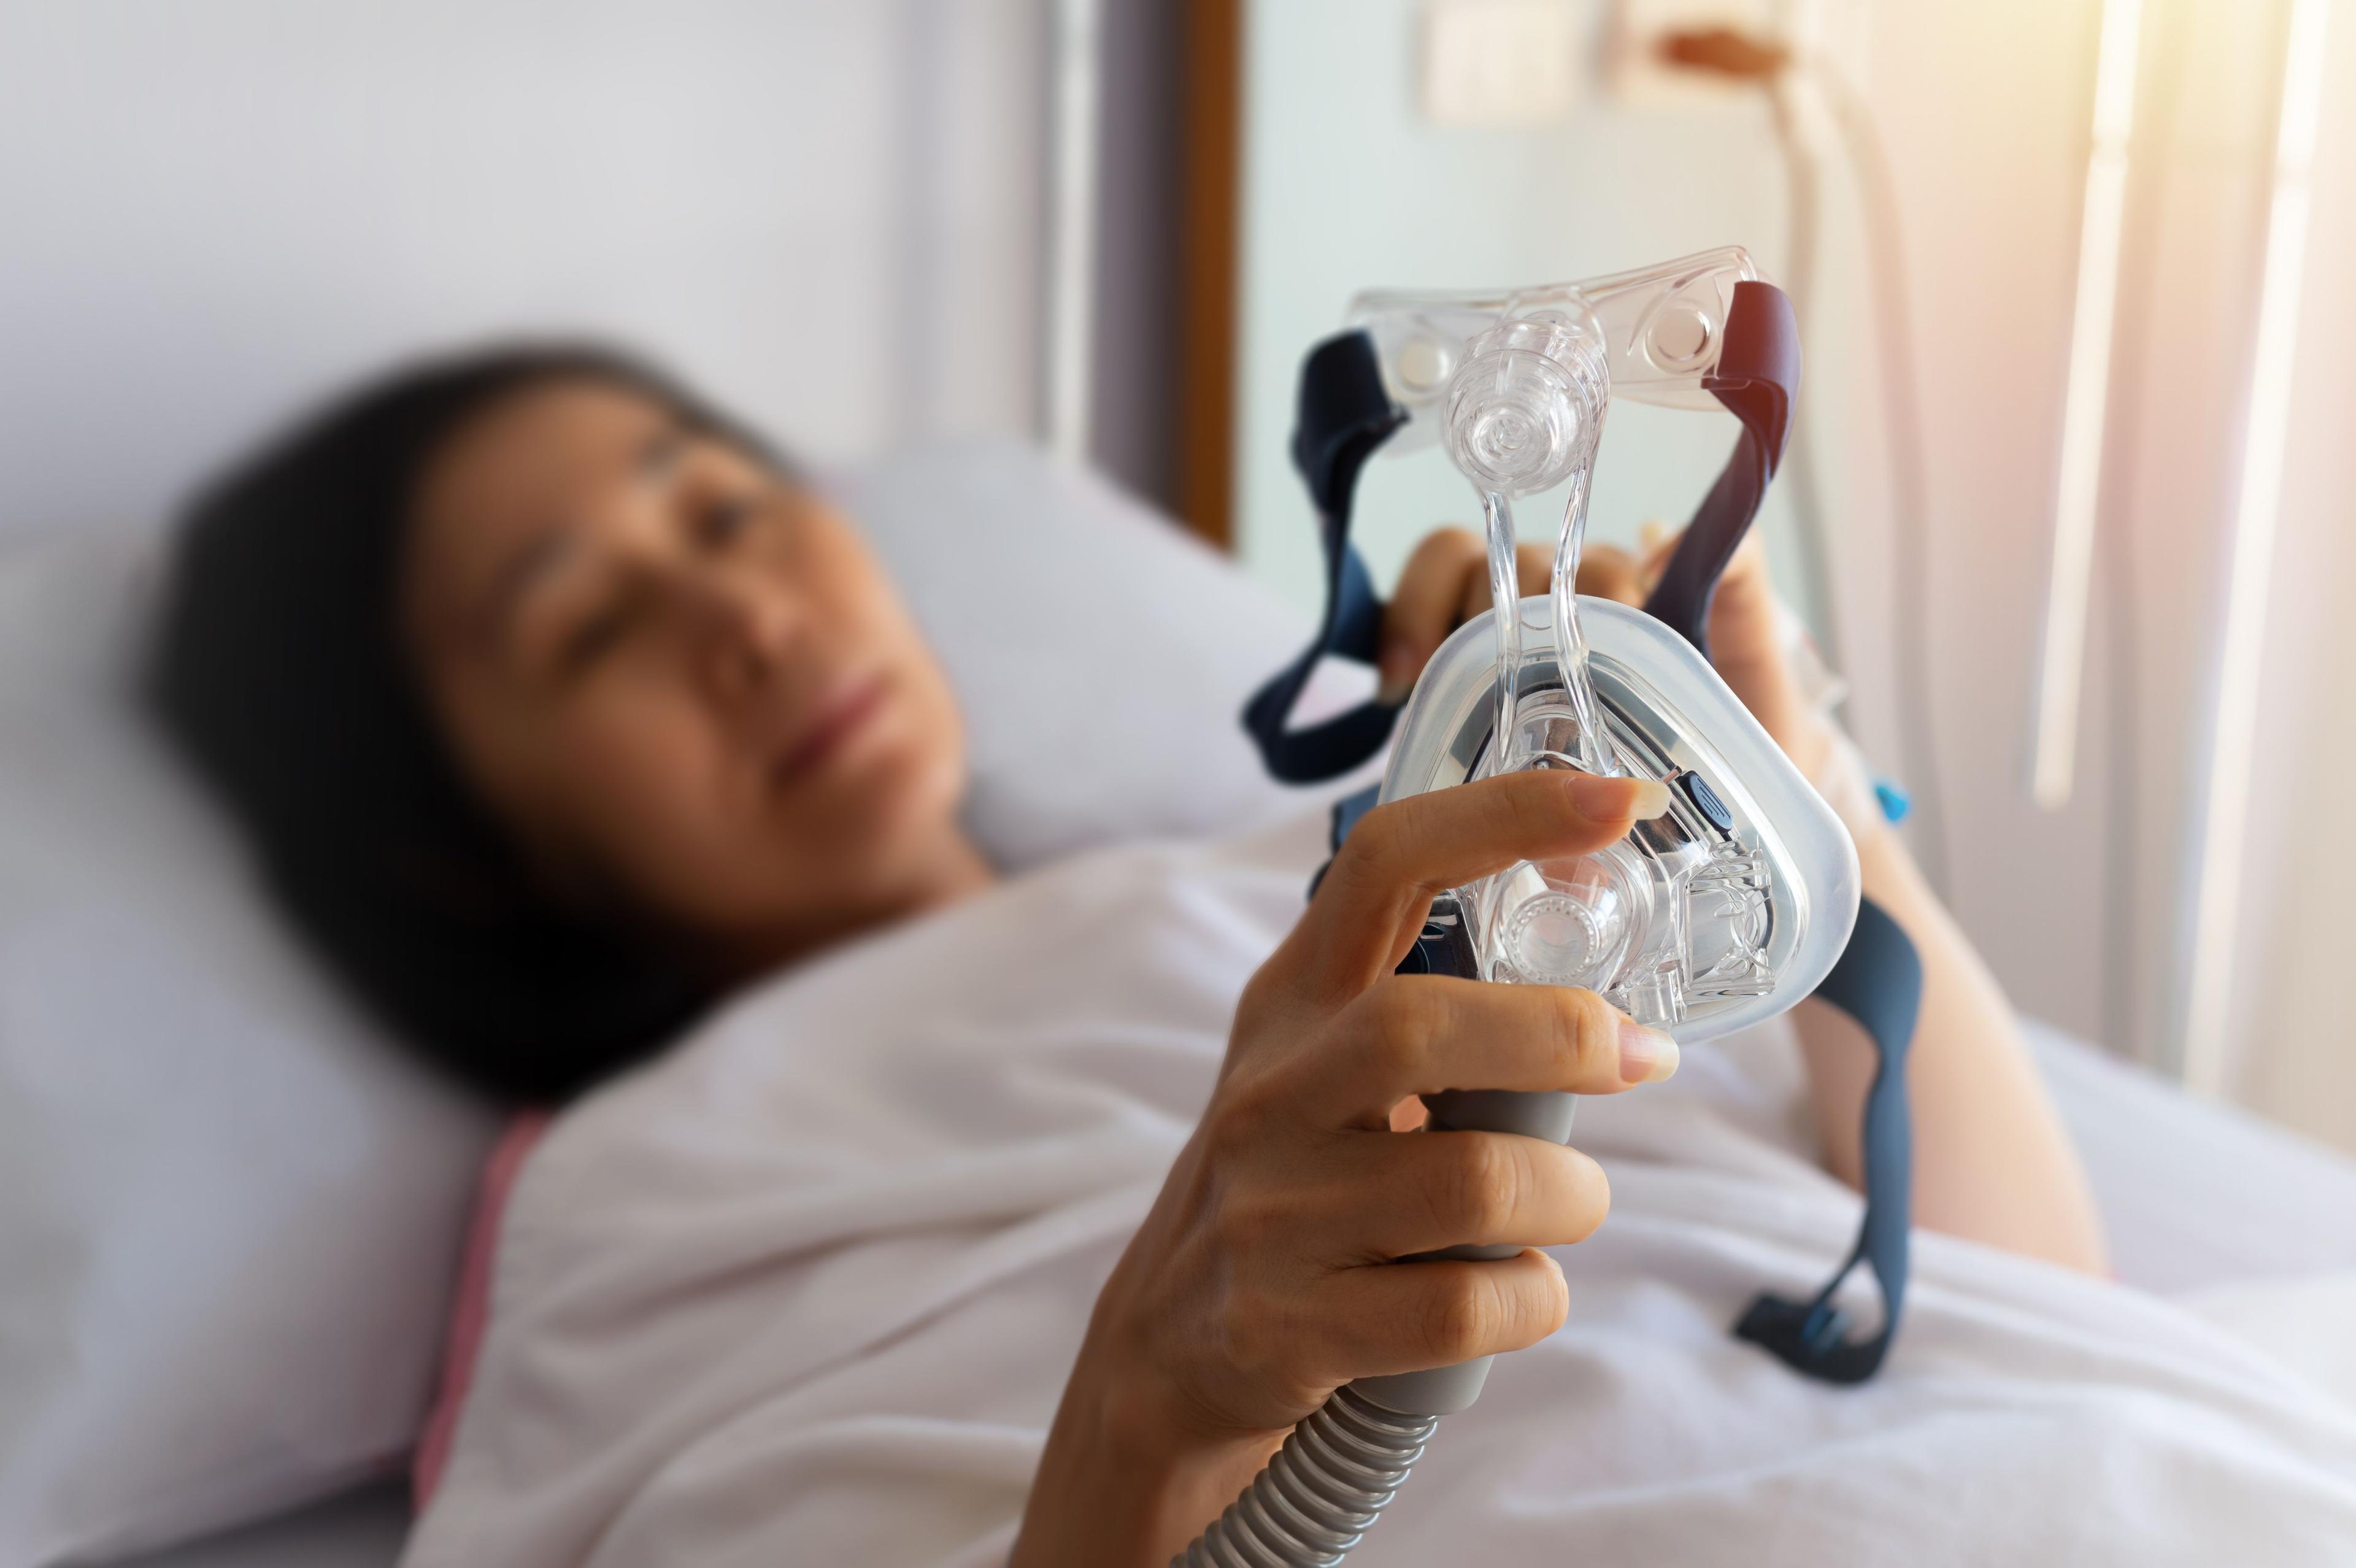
1316,1499
1908,465
1802,475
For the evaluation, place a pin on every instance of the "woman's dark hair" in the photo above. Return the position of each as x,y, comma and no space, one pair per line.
279,670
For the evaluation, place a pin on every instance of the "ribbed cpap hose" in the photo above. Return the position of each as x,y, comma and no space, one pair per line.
1315,1500
1342,1467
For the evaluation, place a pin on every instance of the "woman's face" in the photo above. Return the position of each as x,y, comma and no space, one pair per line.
680,678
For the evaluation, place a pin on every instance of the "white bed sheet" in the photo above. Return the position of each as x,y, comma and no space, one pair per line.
2198,1196
362,1528
809,1285
2197,1193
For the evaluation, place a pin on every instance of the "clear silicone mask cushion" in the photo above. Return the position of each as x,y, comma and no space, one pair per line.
1738,899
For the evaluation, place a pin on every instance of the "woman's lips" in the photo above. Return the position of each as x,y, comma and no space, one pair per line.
845,712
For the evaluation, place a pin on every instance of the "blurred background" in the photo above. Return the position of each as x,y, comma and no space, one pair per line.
2067,502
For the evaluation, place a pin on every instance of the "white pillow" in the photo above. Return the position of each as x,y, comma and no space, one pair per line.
229,1216
1102,657
226,1210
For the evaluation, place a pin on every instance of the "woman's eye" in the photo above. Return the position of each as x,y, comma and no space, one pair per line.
720,520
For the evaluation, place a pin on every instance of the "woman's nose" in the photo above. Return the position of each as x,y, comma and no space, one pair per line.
742,631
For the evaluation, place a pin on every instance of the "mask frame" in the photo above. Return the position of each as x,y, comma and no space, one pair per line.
1738,900
1665,326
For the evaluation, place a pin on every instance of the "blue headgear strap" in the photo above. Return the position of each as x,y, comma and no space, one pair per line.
1878,982
1344,416
1757,377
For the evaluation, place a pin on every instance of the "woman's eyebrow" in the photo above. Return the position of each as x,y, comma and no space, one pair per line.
659,453
545,552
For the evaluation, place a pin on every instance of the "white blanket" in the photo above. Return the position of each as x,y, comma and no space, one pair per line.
806,1289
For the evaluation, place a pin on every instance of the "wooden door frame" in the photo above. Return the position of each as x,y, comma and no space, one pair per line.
1210,255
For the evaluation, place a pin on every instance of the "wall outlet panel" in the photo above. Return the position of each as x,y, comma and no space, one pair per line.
1501,62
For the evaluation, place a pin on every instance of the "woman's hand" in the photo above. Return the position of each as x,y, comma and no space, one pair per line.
1264,1276
1746,635
1445,584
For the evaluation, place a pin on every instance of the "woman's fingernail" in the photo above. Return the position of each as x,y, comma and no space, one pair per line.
1601,796
1646,1055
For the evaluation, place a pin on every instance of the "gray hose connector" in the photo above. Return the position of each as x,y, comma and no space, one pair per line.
1339,1468
1335,1474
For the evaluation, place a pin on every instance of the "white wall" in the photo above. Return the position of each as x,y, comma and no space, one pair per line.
212,209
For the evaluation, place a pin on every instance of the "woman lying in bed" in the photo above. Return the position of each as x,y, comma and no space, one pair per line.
558,708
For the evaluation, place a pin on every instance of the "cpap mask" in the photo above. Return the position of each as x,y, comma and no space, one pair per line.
1734,904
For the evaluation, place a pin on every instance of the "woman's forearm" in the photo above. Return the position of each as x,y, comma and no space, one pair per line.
1122,1483
1992,1161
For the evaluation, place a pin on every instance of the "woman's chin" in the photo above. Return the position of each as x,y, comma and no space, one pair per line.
864,835
874,821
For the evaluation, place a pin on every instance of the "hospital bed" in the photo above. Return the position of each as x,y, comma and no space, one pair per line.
319,1153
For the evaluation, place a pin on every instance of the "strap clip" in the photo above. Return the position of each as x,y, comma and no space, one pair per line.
1824,1327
